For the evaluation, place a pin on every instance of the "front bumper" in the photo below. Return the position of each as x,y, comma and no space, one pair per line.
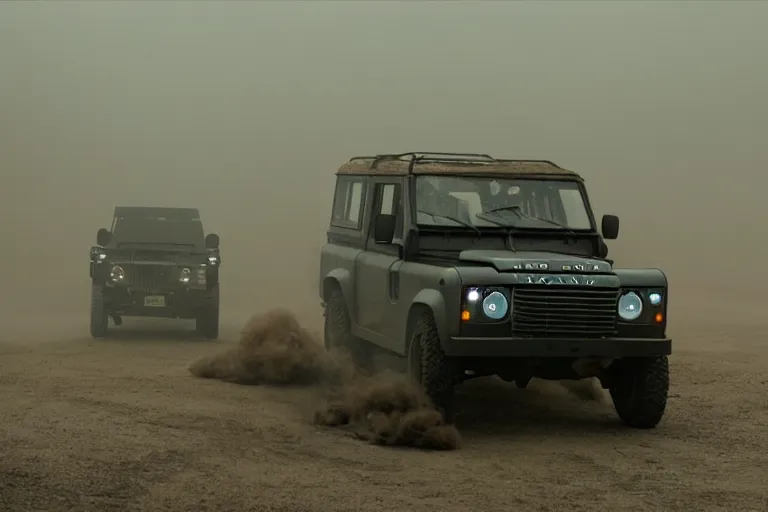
556,347
176,303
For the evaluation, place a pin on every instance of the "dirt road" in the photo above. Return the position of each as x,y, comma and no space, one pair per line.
121,424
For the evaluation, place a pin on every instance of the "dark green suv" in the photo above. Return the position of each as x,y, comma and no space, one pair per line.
155,262
464,265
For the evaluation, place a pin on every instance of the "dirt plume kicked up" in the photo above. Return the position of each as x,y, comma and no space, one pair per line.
273,349
382,408
387,409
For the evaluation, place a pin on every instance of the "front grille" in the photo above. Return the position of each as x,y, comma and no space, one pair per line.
564,311
148,278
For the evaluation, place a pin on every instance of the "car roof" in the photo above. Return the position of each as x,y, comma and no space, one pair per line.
148,212
451,163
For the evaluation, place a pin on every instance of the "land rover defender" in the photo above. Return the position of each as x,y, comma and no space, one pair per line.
155,262
464,265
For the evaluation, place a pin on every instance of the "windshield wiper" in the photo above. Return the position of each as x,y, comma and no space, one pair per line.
518,211
454,219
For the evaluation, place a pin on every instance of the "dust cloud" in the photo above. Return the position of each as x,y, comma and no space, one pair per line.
383,408
244,110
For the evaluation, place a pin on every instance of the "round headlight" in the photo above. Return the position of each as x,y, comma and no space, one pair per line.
117,273
184,275
495,306
655,298
630,306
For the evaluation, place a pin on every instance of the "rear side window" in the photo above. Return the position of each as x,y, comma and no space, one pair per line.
348,203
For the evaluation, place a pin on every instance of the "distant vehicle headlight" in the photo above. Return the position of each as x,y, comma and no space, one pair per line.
184,275
630,306
117,273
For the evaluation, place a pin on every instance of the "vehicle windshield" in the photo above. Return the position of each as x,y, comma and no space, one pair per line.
162,232
485,202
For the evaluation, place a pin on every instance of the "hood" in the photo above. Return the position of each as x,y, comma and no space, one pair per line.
512,261
157,255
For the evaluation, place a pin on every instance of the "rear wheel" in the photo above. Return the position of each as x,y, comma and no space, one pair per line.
430,367
207,322
99,315
639,390
338,329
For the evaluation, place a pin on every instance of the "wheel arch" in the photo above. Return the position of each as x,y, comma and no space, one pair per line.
339,279
427,301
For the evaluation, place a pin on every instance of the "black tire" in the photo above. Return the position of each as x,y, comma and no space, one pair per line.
99,314
639,390
207,323
337,333
430,367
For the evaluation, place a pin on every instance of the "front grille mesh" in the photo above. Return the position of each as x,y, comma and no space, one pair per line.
148,278
564,311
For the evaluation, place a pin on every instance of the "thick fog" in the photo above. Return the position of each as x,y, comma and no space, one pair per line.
245,109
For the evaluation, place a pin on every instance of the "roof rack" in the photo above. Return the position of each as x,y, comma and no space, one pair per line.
416,157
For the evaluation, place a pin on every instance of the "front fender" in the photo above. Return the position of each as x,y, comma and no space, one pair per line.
435,302
642,278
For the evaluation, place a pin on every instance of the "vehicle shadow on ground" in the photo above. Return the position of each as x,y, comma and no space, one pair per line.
155,330
490,407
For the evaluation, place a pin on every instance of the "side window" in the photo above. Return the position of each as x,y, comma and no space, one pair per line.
388,197
348,203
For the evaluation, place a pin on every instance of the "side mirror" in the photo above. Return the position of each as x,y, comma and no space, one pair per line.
212,241
103,237
610,227
384,228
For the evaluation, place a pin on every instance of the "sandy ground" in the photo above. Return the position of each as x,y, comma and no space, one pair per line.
121,424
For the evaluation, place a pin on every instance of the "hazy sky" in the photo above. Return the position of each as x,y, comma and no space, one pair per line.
245,109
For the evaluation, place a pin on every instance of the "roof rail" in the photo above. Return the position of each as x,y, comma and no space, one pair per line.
426,156
548,162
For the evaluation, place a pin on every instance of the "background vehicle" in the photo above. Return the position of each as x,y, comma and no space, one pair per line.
464,265
155,262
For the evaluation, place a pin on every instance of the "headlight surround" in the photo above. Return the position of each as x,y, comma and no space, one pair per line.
486,304
117,274
630,306
185,275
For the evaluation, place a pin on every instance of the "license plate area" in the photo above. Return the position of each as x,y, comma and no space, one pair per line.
154,301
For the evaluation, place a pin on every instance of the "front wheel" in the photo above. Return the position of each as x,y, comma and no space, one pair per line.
99,314
207,323
639,390
430,367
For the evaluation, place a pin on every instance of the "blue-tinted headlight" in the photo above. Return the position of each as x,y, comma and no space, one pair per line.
495,306
630,306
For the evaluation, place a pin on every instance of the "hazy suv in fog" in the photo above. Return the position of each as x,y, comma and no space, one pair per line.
463,265
155,262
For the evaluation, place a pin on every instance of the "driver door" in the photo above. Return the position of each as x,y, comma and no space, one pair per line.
378,268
